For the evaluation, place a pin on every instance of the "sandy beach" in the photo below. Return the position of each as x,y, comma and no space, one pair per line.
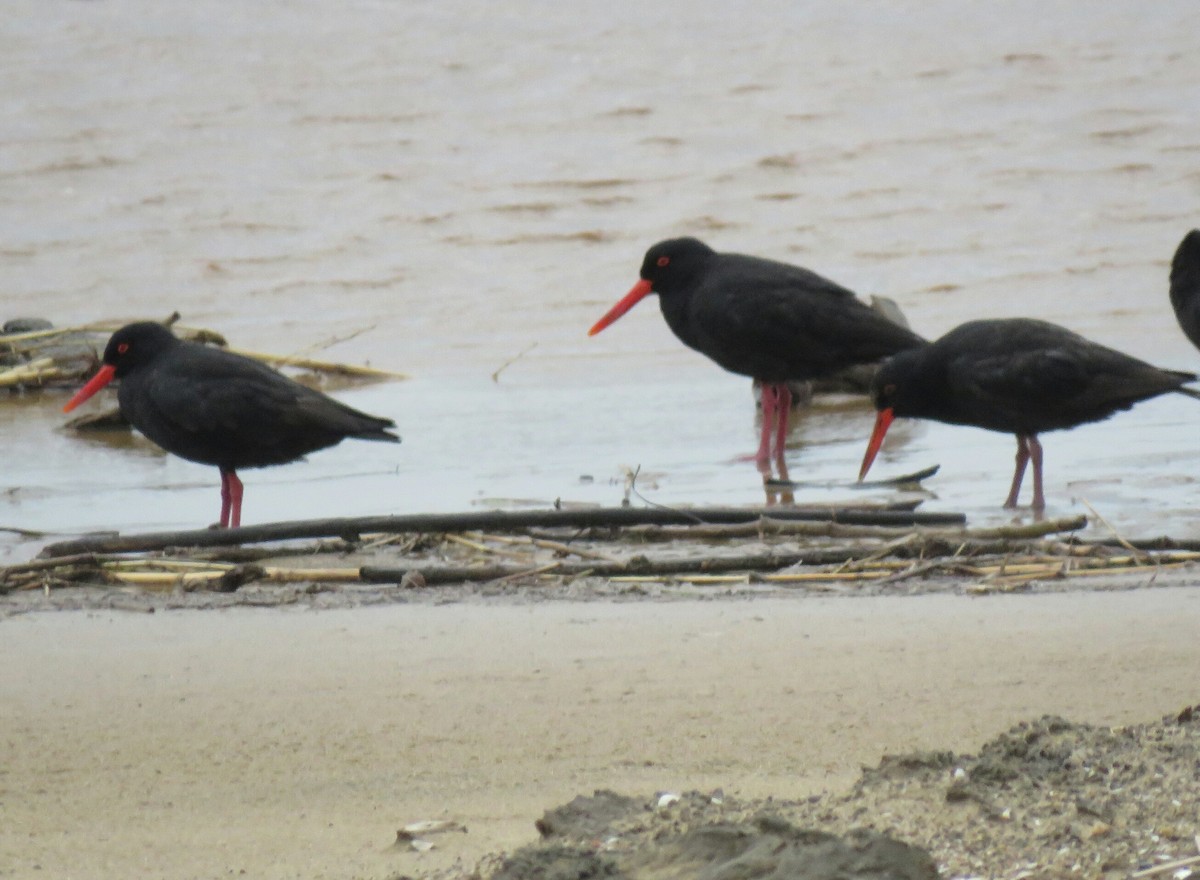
294,744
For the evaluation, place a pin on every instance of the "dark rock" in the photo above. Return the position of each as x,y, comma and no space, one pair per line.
909,764
770,849
588,817
556,863
25,325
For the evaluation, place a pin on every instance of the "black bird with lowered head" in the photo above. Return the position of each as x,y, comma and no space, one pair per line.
771,321
218,408
1019,376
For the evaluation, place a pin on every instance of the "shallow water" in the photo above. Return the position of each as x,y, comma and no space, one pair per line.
294,173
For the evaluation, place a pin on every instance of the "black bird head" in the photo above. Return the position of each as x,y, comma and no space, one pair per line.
670,266
894,391
137,344
131,347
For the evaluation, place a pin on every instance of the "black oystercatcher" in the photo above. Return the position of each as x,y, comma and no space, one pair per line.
1018,376
1185,285
214,407
771,321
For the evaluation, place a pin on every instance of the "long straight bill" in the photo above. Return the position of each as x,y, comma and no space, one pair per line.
103,376
627,302
883,420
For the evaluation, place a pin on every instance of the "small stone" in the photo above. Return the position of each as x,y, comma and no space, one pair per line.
412,580
667,799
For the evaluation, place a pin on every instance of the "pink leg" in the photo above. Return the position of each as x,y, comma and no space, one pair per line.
235,497
231,500
1035,455
769,409
783,411
224,499
1019,473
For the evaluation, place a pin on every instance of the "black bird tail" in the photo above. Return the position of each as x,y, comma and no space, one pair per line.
1190,392
388,436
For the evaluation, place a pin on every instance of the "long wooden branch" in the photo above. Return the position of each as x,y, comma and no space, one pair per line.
451,574
770,525
491,521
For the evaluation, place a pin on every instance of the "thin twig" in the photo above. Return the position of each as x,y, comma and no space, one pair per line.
1109,526
484,548
557,546
1165,867
512,360
317,365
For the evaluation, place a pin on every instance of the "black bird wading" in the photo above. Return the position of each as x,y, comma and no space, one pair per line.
214,407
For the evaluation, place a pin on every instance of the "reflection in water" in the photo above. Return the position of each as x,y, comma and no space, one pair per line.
776,482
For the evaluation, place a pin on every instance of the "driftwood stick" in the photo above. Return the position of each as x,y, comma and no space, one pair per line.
166,579
24,568
1163,543
530,572
305,363
484,548
1029,530
41,370
352,527
770,525
636,566
1116,535
902,480
767,525
556,546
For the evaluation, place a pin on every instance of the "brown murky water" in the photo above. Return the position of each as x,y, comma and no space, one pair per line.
461,184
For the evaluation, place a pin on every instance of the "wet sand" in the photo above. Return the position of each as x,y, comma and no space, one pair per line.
294,744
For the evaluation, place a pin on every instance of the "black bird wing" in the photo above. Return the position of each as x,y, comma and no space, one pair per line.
218,408
777,322
1040,377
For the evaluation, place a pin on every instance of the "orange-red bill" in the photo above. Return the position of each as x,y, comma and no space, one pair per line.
883,421
103,376
627,302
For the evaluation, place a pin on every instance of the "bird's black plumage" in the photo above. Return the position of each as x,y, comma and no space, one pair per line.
1185,285
214,407
765,319
771,321
218,408
1018,376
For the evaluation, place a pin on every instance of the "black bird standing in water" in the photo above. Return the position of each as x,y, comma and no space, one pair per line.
771,321
1019,376
215,407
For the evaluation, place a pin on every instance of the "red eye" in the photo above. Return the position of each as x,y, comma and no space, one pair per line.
122,347
662,261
